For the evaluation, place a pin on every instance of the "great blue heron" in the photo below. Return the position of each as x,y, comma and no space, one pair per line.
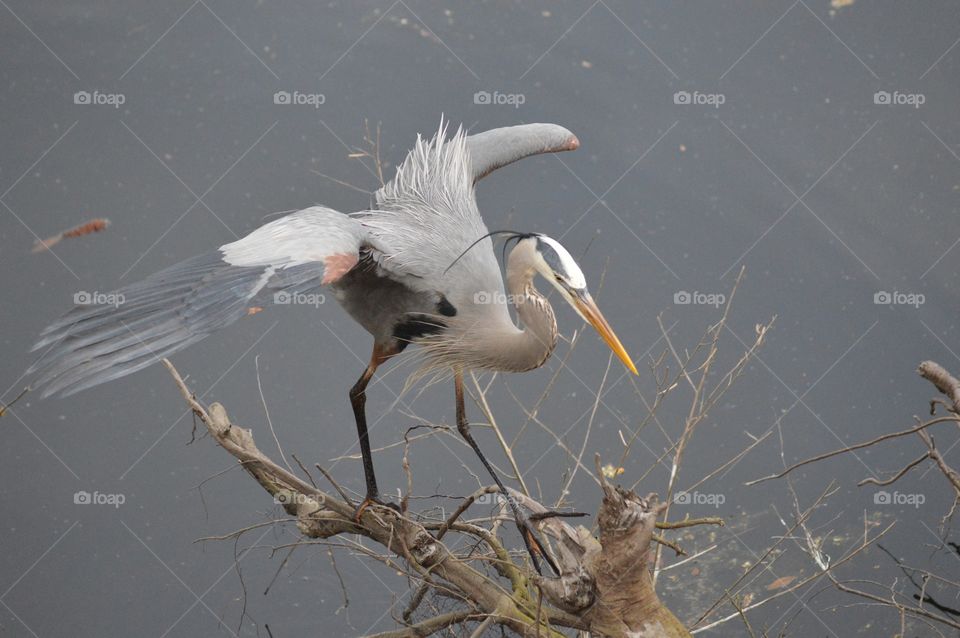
419,267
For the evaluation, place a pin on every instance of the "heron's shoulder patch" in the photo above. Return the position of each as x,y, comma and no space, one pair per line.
337,265
416,326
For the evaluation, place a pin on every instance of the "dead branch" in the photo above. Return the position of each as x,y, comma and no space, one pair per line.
605,585
943,381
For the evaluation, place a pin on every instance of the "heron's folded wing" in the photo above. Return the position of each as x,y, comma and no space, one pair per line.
168,311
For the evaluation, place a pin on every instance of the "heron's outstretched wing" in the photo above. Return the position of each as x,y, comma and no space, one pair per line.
498,147
428,213
178,306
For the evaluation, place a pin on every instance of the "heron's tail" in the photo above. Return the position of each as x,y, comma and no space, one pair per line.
107,336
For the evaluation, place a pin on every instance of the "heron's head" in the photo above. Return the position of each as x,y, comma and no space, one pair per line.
556,265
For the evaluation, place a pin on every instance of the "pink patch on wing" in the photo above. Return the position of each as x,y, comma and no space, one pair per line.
336,266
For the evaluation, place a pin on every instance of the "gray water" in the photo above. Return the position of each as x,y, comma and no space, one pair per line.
662,197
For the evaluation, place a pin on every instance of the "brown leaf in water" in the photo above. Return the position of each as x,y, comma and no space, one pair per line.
781,582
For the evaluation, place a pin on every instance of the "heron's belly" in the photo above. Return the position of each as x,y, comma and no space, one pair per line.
387,309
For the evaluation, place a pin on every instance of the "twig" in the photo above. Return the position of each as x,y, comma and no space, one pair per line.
481,401
483,626
335,485
266,412
429,626
4,408
303,469
850,448
896,477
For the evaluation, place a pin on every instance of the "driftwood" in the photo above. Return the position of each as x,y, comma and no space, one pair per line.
605,586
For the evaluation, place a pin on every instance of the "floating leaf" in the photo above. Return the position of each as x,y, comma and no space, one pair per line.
92,226
781,582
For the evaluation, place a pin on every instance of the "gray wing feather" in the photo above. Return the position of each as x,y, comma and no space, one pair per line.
181,305
428,213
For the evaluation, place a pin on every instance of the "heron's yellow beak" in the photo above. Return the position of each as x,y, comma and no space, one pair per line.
588,308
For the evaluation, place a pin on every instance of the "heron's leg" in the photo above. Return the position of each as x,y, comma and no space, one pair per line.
358,399
530,539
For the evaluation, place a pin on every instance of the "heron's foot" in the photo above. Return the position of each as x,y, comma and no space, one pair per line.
535,547
373,499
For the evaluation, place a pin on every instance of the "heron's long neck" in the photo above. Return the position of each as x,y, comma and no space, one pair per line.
533,343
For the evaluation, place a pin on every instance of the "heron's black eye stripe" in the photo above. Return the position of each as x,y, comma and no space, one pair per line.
550,256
